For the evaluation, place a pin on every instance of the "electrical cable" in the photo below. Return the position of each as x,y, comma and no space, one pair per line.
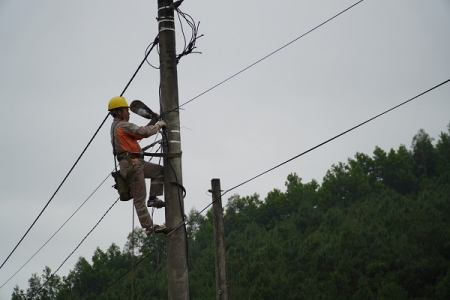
125,273
89,197
132,252
60,185
177,183
315,147
135,265
95,226
265,57
205,93
131,269
177,4
248,67
182,30
59,229
253,178
157,253
151,46
78,159
336,136
305,152
148,52
188,47
155,42
132,78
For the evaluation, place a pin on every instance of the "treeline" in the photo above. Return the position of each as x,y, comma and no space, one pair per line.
378,227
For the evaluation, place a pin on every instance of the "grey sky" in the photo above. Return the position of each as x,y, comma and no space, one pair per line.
61,62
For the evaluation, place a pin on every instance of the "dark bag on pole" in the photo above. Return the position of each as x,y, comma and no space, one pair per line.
122,185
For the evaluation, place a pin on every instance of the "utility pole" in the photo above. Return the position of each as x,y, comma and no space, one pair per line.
176,241
219,243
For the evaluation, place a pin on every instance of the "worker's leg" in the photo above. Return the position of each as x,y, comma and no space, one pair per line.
138,191
156,174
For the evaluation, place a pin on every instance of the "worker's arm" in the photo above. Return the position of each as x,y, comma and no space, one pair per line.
141,132
154,119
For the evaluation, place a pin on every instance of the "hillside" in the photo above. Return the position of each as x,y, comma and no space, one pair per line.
378,227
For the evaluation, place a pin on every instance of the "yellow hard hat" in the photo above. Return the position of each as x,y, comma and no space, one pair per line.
117,102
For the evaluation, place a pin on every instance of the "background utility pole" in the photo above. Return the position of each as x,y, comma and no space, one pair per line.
219,243
177,268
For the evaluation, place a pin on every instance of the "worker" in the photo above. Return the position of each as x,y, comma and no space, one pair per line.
124,138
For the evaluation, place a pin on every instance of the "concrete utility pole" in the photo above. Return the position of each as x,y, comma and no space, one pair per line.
177,267
219,243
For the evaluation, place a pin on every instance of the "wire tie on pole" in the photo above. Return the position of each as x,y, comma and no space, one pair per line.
164,7
165,29
166,20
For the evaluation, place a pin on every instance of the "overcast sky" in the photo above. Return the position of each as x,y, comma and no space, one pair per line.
61,62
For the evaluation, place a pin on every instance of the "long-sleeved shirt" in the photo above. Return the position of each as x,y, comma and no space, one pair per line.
124,135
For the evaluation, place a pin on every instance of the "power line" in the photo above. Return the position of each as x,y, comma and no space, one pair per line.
311,149
95,226
188,47
79,157
335,137
220,83
51,198
147,53
95,190
125,273
248,67
55,232
140,261
155,42
253,64
104,180
270,54
126,87
273,168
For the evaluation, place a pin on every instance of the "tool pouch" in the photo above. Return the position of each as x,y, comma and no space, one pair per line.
123,185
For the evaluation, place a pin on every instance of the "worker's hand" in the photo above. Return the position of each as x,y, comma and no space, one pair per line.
161,124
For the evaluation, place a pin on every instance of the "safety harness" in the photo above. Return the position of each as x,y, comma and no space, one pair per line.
123,184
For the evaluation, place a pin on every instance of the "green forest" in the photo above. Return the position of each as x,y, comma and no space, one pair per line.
377,227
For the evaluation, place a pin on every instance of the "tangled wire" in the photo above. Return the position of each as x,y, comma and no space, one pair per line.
190,46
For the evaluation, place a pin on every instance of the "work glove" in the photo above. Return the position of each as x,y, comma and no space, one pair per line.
161,124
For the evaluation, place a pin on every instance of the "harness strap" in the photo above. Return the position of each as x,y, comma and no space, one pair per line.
129,156
170,155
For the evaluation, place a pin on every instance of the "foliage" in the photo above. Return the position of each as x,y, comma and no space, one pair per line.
378,227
